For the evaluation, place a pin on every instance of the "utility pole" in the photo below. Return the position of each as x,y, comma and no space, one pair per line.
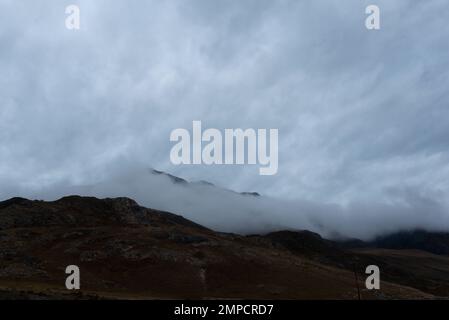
356,281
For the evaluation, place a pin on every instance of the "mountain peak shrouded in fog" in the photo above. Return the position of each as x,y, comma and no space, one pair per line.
248,212
251,149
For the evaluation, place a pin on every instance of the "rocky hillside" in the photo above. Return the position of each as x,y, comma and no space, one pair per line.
130,252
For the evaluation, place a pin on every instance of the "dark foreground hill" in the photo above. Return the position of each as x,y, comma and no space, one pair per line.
127,251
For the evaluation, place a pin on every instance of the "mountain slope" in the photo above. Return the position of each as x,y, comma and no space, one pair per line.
415,268
434,242
128,251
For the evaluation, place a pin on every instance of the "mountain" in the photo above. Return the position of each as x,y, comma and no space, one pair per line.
178,180
409,266
126,251
173,178
435,242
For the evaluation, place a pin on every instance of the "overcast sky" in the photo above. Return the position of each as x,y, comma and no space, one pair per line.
362,115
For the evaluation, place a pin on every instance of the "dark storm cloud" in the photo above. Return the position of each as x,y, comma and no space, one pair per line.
363,116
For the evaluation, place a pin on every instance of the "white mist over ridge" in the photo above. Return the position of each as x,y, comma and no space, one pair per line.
228,211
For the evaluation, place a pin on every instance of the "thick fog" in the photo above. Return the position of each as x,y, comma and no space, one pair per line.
363,115
229,211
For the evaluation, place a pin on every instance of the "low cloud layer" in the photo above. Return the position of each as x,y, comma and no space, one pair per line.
229,211
363,116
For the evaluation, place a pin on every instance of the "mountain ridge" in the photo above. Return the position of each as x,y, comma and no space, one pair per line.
124,250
